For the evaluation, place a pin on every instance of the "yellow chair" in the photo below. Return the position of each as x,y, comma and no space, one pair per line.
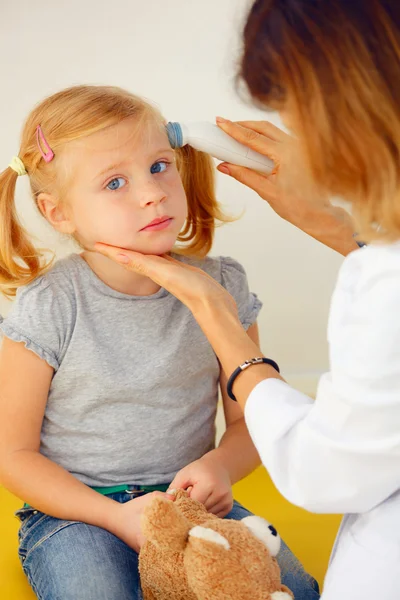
309,536
13,584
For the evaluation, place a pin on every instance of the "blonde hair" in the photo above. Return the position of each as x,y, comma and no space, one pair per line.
335,68
72,114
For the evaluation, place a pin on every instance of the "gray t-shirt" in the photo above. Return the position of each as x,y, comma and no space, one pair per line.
135,388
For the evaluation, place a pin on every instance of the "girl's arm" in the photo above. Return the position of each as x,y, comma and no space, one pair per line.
210,478
24,383
24,387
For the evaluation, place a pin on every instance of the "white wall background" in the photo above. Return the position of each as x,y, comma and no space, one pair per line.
181,54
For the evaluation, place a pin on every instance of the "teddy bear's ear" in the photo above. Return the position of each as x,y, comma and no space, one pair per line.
264,532
281,596
205,533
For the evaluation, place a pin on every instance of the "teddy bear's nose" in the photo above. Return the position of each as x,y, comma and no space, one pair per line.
273,530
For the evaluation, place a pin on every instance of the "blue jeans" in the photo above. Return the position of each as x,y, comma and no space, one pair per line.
69,560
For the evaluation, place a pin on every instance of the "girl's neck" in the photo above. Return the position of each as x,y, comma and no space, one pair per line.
118,277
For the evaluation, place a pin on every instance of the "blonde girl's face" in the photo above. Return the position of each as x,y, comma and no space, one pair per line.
125,189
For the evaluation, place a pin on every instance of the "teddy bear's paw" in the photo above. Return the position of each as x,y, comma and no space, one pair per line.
178,493
265,532
281,596
209,535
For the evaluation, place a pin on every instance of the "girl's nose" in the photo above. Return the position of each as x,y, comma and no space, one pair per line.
151,193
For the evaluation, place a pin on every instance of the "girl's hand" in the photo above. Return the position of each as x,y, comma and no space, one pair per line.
124,520
192,286
209,482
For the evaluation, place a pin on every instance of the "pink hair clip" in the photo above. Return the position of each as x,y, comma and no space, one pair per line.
41,142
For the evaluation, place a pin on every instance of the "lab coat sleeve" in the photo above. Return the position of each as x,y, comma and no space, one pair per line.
341,453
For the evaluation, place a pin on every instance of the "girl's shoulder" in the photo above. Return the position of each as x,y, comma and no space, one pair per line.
232,276
43,313
222,268
59,276
52,292
63,272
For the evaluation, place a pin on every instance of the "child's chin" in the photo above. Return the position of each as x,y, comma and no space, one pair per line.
158,248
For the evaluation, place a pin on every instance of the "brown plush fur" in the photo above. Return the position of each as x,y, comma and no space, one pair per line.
176,565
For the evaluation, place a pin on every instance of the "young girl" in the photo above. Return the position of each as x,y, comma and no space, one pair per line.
108,386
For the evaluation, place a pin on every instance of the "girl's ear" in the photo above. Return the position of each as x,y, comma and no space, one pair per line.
55,213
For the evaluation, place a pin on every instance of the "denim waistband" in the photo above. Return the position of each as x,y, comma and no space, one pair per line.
134,490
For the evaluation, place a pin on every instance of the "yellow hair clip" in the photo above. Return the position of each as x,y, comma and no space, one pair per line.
18,166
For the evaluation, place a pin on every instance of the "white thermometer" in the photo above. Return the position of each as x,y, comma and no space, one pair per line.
209,138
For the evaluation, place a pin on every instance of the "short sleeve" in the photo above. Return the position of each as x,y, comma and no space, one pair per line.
40,318
234,279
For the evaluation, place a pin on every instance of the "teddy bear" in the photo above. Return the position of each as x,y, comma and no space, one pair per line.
190,554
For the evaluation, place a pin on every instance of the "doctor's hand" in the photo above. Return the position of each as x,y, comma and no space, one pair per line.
192,286
288,190
269,140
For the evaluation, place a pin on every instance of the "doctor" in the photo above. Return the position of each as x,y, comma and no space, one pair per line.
332,68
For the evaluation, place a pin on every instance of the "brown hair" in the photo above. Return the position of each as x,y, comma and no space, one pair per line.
71,114
335,67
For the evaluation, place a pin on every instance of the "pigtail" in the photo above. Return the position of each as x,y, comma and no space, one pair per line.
20,262
198,177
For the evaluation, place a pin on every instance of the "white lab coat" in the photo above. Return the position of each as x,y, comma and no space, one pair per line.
341,453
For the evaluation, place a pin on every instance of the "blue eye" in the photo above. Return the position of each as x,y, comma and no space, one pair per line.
158,167
116,184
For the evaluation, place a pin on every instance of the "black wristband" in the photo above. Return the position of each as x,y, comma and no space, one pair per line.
246,365
359,244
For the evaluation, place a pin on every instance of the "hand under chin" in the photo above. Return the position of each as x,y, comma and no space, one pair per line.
149,247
